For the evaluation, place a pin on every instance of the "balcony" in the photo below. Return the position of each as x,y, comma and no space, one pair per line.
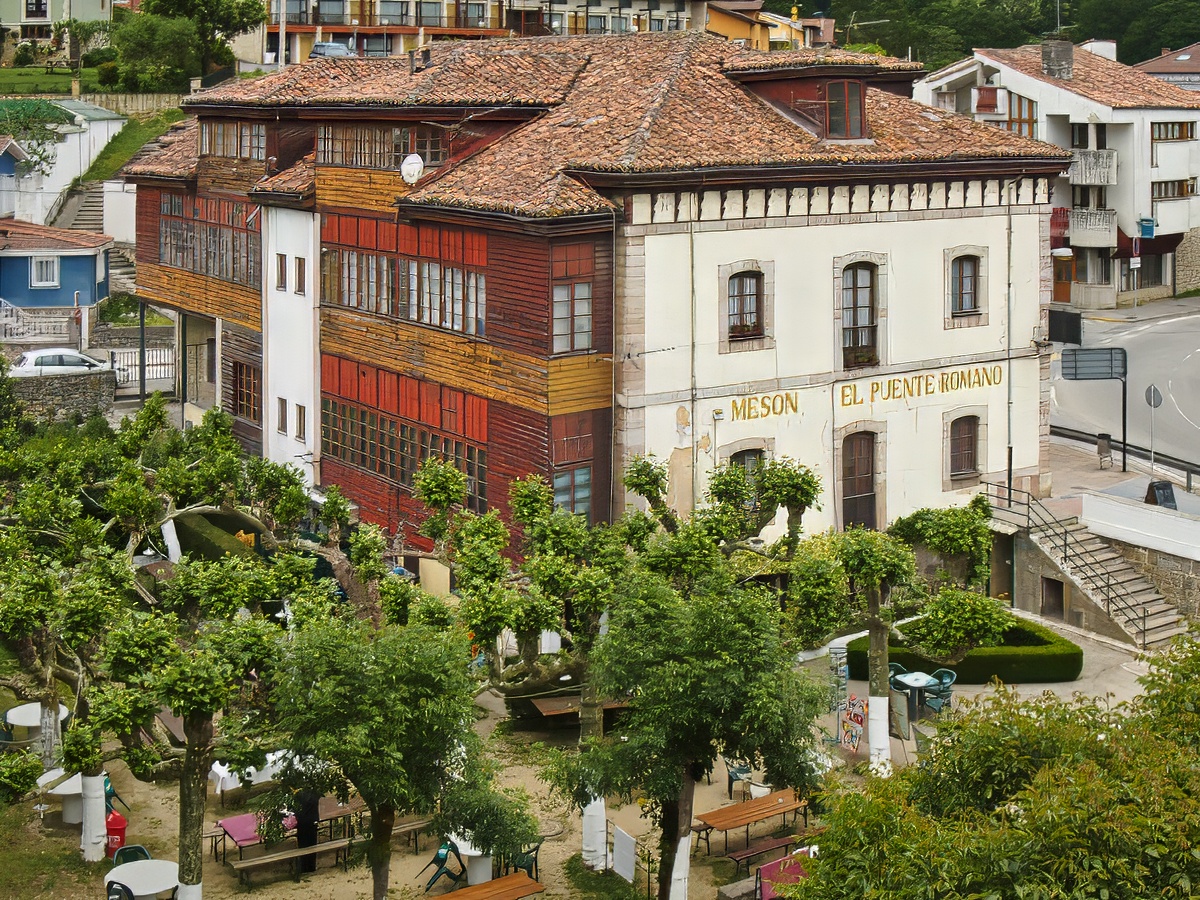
1093,167
1093,228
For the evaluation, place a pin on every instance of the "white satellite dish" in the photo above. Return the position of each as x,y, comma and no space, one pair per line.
412,168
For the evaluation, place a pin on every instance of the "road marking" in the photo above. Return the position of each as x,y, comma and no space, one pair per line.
1171,392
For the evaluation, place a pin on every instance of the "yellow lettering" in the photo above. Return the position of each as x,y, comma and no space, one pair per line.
777,405
847,395
874,390
944,382
858,401
739,410
791,402
930,384
751,407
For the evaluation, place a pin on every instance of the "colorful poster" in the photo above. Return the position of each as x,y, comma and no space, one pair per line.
854,719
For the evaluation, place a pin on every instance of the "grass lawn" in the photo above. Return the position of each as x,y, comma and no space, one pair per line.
39,859
34,80
129,141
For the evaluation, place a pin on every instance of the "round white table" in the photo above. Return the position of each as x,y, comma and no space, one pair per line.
29,715
145,877
71,792
479,867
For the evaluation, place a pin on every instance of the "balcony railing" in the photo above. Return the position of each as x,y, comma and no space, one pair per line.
1098,167
1093,228
383,19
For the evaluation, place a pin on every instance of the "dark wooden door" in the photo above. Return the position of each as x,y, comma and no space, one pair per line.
858,480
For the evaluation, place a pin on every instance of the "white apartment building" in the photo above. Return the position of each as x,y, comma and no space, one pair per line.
1124,216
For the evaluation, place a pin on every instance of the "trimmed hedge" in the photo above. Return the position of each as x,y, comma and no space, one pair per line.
1030,653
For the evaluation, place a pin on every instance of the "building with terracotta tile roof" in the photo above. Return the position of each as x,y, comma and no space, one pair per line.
1178,67
50,269
547,255
1125,216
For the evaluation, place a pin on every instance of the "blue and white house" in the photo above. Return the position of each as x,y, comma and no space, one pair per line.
47,269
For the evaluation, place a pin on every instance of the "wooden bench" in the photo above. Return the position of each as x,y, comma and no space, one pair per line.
341,848
412,830
744,856
58,65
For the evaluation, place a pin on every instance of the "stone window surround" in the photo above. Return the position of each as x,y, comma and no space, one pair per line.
981,287
726,451
880,261
765,269
958,482
879,429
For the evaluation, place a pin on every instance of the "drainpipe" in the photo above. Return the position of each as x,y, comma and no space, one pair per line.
1008,330
694,212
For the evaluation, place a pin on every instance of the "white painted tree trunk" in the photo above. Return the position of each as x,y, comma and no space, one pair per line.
189,892
683,863
94,835
51,735
878,738
595,835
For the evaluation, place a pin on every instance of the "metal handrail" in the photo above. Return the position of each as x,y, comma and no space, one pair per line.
1073,555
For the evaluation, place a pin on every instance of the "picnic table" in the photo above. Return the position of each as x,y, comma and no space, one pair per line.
330,809
776,803
243,831
510,887
58,65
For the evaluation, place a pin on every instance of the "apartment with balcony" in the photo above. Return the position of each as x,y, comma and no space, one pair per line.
1125,216
33,20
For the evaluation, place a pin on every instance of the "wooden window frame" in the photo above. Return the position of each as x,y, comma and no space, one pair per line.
1022,116
964,447
566,483
301,422
964,285
745,306
247,392
1169,132
572,297
845,110
281,423
860,320
281,271
300,275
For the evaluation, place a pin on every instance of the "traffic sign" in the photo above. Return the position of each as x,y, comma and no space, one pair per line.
1153,397
1093,364
1135,262
1137,246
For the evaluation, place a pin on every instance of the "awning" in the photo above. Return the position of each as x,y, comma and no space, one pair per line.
1155,246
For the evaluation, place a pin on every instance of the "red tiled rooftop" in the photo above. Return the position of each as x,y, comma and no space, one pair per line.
1184,61
299,179
18,235
174,155
1099,79
647,103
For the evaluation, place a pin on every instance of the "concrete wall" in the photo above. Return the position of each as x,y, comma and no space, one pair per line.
59,397
135,104
1177,578
1187,262
1031,565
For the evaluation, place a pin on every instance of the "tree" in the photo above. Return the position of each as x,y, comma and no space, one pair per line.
388,712
875,563
215,21
705,674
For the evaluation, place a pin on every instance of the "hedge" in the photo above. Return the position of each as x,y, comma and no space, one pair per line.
1030,653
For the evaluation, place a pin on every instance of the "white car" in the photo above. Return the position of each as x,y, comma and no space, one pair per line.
54,361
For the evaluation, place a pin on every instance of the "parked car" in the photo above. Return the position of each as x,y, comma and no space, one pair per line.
330,48
54,361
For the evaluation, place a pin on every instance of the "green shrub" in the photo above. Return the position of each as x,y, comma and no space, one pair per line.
958,531
956,621
24,56
95,58
818,593
1031,653
108,75
19,772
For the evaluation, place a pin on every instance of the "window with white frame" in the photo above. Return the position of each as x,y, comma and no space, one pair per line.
745,301
964,446
966,286
43,272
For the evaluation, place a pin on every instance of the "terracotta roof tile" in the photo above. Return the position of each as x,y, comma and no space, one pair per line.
1183,61
645,103
300,178
174,155
817,56
18,235
1099,79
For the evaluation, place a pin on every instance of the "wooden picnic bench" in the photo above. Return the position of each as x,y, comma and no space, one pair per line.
341,848
744,856
58,65
412,830
750,811
509,887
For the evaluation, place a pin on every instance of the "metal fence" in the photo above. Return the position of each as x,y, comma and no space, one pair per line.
127,362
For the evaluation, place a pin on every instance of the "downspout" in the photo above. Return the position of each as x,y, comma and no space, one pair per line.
615,469
1008,332
692,210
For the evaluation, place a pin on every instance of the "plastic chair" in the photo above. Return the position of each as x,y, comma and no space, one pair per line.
118,891
758,790
130,853
896,669
440,859
526,860
737,772
110,794
945,679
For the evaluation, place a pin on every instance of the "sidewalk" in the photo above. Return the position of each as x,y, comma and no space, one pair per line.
1147,312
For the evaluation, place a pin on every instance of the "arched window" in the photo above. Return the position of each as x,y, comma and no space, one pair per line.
745,305
859,316
749,460
964,446
858,480
964,286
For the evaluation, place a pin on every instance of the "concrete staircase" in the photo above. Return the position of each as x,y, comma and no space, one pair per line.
1129,598
122,272
89,215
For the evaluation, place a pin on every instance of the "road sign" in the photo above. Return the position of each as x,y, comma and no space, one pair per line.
1135,262
1137,247
1153,397
1093,364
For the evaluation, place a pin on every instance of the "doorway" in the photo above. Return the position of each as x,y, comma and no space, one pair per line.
1064,274
858,480
1052,598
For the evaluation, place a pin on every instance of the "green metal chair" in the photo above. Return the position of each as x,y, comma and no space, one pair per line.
130,853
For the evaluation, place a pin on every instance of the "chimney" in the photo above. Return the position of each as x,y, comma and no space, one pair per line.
1058,59
425,57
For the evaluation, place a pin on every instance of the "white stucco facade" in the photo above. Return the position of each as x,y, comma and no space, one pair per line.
291,356
1123,169
693,397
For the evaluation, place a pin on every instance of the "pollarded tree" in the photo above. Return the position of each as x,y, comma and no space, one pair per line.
875,564
705,673
389,712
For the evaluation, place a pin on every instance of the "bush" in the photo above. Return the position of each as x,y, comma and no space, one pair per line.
818,593
108,75
956,621
957,531
25,55
19,773
95,58
1031,653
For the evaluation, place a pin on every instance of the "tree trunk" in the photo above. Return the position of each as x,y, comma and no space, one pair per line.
676,825
94,834
51,734
193,794
595,821
379,850
878,738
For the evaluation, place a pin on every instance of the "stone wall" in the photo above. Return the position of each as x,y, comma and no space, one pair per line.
62,397
1187,262
1176,578
112,338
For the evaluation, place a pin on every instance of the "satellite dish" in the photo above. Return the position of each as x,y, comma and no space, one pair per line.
412,168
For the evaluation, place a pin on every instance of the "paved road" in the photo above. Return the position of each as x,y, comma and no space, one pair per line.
1164,351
